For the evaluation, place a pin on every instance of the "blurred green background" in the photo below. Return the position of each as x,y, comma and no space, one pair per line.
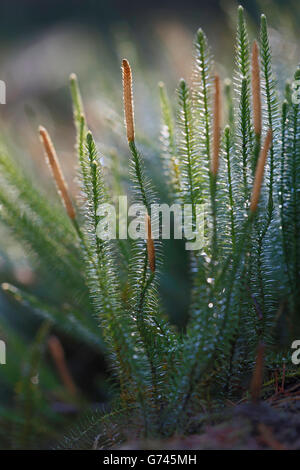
41,43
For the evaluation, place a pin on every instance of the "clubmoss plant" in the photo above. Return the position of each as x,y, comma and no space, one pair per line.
245,279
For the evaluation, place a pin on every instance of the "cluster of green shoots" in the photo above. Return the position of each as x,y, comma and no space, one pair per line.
246,278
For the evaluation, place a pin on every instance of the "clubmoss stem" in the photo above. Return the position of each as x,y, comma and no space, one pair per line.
128,100
58,355
256,92
57,173
257,377
78,109
259,173
216,127
150,243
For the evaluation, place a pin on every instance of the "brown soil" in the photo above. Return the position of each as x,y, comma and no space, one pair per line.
272,424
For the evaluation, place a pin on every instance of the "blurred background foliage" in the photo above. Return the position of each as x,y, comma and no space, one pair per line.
41,43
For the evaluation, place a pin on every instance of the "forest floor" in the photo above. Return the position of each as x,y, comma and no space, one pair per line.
271,424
